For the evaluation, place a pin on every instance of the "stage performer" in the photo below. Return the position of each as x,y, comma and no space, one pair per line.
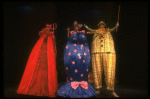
40,75
103,56
77,65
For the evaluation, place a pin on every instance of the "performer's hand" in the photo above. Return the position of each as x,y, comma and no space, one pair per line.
85,26
117,24
49,33
68,29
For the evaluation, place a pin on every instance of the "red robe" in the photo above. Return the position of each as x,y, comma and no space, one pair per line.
40,75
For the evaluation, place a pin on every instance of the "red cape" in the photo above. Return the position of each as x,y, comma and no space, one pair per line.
31,64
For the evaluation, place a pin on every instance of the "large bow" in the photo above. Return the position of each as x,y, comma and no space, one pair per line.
83,84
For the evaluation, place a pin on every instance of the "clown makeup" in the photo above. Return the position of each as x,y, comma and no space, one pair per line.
76,28
101,26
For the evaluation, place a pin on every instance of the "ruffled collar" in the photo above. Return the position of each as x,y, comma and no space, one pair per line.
101,29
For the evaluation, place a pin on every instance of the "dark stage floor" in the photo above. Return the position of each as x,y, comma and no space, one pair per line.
10,92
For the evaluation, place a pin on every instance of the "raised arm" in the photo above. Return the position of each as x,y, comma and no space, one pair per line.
68,29
91,30
114,28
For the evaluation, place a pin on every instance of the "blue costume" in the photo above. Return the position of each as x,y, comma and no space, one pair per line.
77,65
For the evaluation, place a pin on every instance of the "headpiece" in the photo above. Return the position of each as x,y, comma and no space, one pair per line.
48,25
76,24
101,23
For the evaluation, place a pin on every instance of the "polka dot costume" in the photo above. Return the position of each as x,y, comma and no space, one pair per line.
76,65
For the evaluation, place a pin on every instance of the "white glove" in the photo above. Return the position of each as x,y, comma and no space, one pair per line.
85,26
117,24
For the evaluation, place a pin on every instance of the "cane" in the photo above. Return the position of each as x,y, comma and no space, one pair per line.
118,17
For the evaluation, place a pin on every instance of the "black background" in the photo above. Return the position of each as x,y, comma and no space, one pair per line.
23,21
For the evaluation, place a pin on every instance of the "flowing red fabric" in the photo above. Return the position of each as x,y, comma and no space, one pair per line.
40,75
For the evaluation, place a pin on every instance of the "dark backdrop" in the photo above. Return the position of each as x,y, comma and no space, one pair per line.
23,21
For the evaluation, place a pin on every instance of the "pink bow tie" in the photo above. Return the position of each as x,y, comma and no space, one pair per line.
83,84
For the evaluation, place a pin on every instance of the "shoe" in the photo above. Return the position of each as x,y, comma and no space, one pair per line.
98,92
114,94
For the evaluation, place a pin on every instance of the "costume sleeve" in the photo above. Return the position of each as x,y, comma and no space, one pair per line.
112,29
68,30
91,30
40,33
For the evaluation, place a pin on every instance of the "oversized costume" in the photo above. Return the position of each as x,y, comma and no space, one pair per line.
77,65
103,56
40,75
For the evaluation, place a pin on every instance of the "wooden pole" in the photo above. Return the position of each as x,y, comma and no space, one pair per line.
118,17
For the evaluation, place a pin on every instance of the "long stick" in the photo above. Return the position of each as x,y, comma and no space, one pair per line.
118,13
118,17
54,26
